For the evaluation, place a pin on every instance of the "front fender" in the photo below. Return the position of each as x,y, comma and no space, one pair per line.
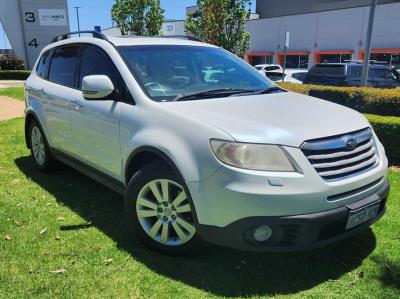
193,157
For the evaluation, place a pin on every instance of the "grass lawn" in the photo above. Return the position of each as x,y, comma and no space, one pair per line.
13,92
63,236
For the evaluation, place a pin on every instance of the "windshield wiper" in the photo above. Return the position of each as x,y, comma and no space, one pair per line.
210,93
270,90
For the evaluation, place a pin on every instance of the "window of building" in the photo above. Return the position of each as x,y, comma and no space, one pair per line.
395,60
335,58
297,61
392,59
382,57
63,65
261,60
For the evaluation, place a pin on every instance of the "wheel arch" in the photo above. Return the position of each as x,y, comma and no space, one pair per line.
145,155
30,116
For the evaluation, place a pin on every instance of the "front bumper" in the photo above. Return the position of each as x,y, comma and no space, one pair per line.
297,232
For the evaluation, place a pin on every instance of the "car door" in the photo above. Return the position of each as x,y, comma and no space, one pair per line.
95,123
57,94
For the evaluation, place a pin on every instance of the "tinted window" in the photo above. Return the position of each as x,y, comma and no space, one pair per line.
63,66
95,62
43,64
356,71
272,68
320,69
299,76
380,73
297,61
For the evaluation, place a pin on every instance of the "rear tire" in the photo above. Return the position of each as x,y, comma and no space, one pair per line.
159,210
40,151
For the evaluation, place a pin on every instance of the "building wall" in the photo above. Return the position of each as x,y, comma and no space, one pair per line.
328,31
279,8
30,26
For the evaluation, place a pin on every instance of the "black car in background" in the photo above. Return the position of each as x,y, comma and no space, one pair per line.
349,74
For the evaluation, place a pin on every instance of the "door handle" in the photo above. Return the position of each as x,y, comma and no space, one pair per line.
77,104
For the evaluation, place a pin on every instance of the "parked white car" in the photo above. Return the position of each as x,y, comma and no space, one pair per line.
291,75
263,68
202,146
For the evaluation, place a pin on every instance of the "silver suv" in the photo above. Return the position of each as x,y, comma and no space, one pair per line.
202,146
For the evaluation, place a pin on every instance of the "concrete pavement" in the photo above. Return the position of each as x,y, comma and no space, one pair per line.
10,108
11,83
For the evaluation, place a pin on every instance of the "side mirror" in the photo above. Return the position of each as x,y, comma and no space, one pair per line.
96,87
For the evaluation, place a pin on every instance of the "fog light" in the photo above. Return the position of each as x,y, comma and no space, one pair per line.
262,233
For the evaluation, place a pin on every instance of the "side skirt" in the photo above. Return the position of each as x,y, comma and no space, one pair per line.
89,171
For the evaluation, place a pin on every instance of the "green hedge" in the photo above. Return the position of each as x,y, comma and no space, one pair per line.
11,63
14,75
388,131
366,100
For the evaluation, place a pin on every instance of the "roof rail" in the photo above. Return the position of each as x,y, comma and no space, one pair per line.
370,62
187,37
95,34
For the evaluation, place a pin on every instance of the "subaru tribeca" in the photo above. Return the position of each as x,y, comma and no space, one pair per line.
202,146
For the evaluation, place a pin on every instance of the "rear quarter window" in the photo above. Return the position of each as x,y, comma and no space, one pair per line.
43,65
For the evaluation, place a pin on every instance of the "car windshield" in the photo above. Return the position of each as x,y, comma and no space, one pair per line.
167,72
259,68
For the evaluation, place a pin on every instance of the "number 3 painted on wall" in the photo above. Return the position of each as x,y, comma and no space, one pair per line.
30,17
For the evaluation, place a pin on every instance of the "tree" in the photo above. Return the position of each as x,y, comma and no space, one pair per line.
222,23
138,17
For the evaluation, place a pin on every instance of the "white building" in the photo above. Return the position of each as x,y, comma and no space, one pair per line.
323,30
30,25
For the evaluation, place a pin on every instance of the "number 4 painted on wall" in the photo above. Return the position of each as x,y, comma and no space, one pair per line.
33,43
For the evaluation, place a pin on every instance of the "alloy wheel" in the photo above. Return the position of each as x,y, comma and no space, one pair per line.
164,212
38,147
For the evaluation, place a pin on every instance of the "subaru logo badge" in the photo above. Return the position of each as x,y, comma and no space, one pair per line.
351,144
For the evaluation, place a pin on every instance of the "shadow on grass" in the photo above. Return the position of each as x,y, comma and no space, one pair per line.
390,272
220,271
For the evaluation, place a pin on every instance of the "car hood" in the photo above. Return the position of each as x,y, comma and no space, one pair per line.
282,118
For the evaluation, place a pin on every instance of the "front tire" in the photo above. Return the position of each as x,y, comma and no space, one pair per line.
159,210
39,148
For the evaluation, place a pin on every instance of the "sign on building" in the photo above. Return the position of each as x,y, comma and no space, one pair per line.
32,24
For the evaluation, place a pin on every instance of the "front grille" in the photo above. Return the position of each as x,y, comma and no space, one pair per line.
340,156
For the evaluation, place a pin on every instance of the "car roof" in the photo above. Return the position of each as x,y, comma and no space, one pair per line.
371,65
264,65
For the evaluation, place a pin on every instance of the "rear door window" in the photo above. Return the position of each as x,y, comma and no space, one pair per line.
63,66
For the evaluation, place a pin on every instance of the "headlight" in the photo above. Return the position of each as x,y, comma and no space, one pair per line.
252,156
